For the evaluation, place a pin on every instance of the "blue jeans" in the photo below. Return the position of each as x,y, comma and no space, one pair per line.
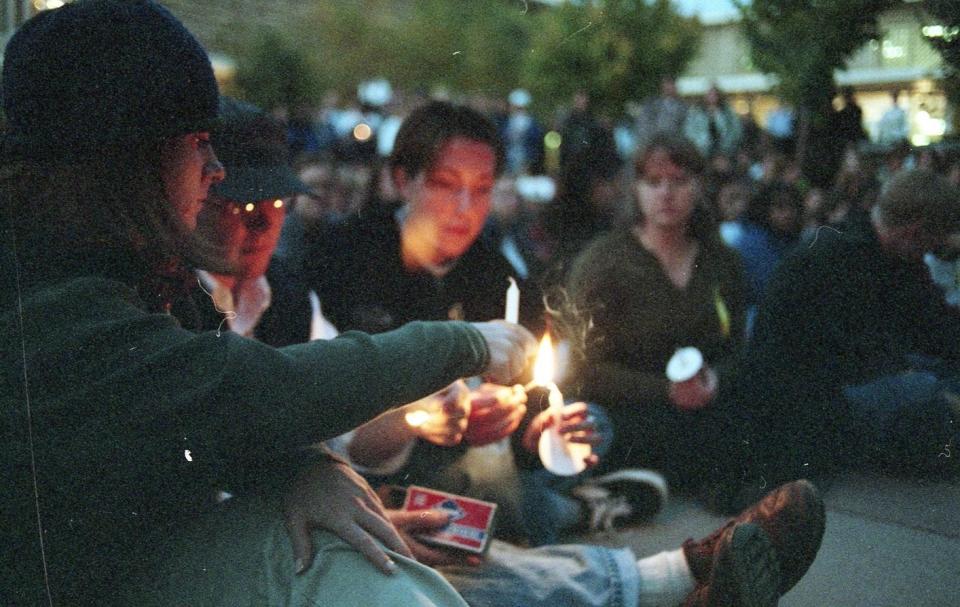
550,576
904,419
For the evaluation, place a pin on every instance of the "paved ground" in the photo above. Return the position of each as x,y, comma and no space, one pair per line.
889,543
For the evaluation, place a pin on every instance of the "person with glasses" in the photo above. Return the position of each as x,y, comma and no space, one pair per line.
658,282
262,295
242,218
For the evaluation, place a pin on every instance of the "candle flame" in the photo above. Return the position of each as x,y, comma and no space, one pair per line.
543,368
417,418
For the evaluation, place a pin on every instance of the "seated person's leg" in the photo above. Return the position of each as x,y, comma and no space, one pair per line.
902,421
240,555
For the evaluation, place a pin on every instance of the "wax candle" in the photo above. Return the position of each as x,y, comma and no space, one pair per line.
684,364
512,313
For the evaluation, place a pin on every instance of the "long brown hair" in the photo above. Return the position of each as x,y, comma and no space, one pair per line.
105,215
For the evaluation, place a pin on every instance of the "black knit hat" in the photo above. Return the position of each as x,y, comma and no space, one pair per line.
253,148
103,73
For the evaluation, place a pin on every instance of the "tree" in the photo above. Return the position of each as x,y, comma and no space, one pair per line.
617,50
467,47
802,42
273,72
948,43
464,47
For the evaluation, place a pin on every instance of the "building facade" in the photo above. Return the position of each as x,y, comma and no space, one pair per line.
902,60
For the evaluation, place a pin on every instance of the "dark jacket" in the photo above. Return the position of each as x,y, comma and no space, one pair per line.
116,423
634,318
357,270
839,311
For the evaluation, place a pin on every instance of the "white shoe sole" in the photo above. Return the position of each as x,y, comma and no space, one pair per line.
636,475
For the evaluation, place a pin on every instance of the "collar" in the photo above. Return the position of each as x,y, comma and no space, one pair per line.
241,307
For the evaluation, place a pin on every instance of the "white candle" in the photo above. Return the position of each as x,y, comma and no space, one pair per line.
512,313
684,364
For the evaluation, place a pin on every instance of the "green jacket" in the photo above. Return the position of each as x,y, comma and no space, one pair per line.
630,319
117,424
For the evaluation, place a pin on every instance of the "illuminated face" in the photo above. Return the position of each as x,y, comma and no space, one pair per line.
247,232
448,203
665,193
188,167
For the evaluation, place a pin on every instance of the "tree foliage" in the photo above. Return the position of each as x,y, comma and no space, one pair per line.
273,72
802,42
946,14
617,50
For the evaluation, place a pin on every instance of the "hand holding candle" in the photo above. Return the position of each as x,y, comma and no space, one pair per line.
441,418
576,426
693,384
559,455
495,413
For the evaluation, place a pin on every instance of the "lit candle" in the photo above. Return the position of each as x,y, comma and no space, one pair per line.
558,455
513,303
415,419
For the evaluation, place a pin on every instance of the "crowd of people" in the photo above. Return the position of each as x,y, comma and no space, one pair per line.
221,370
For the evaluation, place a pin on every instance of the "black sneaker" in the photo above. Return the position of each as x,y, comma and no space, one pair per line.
623,497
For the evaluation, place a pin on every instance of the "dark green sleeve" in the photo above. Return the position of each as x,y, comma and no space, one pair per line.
227,393
320,389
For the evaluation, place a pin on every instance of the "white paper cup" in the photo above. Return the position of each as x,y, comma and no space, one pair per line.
684,364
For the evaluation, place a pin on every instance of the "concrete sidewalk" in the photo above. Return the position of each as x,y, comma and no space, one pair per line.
889,543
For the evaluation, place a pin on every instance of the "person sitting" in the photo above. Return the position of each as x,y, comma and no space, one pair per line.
854,345
262,296
771,226
715,570
428,258
118,422
637,294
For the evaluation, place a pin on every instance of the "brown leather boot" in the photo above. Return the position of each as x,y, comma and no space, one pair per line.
792,517
745,572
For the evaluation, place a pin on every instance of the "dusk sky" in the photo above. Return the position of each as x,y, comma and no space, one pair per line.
707,9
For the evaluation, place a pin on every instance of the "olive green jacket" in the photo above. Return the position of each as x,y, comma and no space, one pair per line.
117,424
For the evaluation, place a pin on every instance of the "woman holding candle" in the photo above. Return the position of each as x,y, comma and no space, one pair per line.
118,423
661,282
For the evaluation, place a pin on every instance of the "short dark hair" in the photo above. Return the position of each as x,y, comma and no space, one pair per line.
920,196
430,126
773,194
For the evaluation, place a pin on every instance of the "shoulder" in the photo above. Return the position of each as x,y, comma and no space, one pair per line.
611,254
358,237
